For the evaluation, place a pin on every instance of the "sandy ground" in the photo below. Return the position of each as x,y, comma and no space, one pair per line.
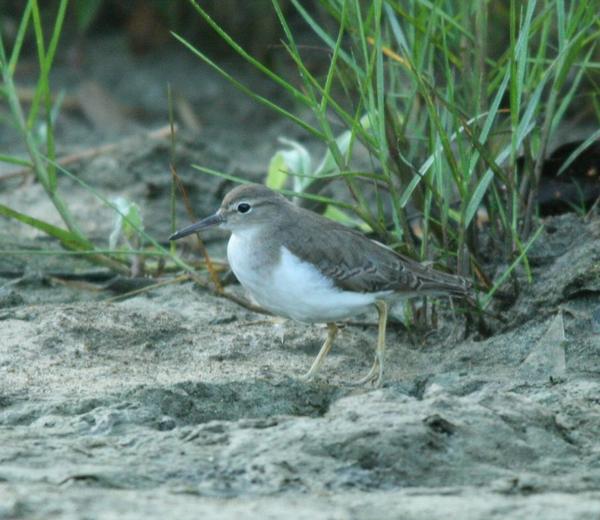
178,404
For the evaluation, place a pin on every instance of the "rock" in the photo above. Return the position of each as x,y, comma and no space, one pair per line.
547,358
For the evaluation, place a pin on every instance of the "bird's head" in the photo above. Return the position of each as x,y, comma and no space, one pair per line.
244,207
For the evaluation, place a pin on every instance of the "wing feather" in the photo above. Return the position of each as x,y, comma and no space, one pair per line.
356,263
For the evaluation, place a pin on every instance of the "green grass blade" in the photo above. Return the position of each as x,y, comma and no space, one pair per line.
322,34
16,52
579,150
298,95
69,239
91,252
568,98
308,196
483,184
490,118
40,47
249,92
15,160
501,279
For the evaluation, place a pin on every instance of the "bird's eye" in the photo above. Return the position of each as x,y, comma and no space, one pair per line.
243,207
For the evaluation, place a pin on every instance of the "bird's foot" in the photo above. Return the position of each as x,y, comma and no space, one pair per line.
308,376
374,376
332,331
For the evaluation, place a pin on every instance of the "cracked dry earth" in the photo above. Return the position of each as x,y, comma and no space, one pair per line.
178,404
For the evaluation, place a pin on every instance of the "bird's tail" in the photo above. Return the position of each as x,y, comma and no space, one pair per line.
437,283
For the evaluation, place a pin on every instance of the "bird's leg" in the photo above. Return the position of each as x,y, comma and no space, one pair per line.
332,331
376,373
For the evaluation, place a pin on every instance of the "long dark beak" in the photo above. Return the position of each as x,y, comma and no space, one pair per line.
213,220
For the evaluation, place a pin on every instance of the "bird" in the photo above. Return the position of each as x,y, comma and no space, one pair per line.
301,265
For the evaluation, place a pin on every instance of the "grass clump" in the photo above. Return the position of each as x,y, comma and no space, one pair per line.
455,103
35,125
36,128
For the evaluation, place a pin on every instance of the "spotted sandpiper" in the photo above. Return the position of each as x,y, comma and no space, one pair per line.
300,265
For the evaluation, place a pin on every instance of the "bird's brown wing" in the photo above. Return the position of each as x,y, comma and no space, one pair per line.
359,264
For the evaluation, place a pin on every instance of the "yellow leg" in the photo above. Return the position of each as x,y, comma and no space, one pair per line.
332,331
375,375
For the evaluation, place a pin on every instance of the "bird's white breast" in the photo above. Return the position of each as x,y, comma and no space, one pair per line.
289,286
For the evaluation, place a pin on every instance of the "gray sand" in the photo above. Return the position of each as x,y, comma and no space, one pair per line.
179,404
